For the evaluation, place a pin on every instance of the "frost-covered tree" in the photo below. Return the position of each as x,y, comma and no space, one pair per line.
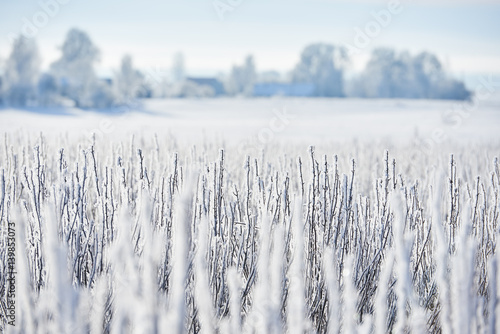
386,75
21,73
242,78
434,82
47,90
128,81
389,74
103,95
322,65
74,71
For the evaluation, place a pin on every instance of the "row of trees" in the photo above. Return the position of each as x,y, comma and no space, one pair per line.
389,74
72,78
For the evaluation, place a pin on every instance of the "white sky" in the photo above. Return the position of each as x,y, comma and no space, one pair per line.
465,34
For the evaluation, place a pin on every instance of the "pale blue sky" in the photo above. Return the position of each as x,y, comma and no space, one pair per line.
465,34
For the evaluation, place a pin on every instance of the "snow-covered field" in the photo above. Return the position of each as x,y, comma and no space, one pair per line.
254,216
309,120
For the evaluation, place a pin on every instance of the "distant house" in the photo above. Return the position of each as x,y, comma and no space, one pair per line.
215,84
284,89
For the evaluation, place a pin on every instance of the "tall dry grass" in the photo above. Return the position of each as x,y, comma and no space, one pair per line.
134,237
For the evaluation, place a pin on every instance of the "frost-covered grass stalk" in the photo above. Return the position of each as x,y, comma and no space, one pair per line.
147,236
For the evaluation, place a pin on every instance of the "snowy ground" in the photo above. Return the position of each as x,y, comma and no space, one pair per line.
263,121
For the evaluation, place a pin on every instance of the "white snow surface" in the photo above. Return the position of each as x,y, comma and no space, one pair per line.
313,121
